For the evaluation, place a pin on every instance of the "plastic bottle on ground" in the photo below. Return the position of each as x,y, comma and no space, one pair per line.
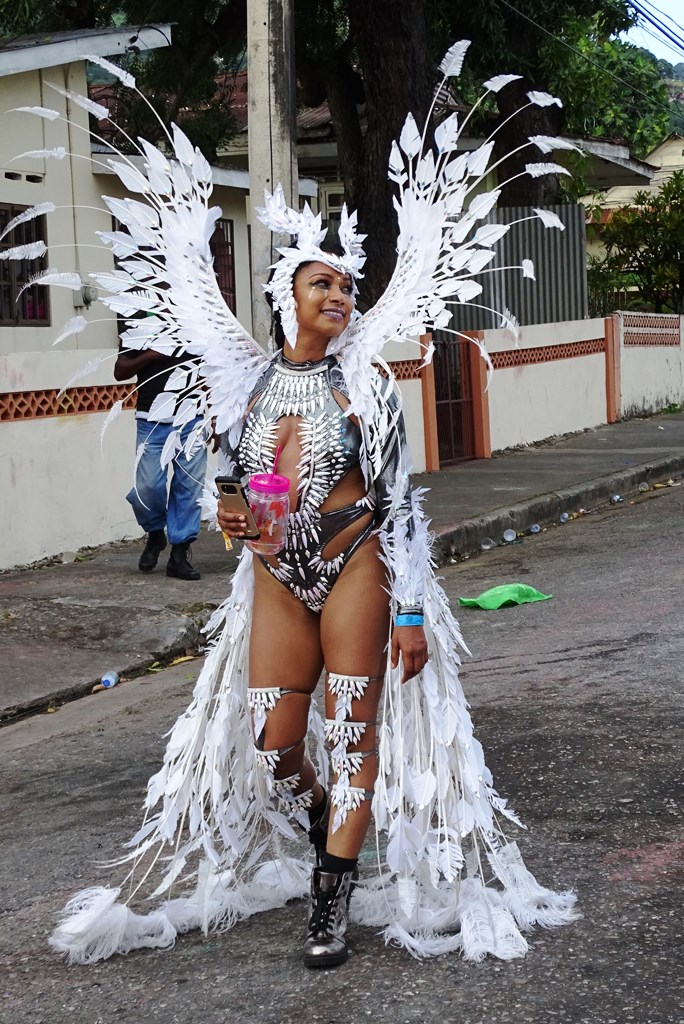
110,679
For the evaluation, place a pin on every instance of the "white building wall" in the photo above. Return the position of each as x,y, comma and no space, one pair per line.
554,396
59,491
412,400
68,231
651,376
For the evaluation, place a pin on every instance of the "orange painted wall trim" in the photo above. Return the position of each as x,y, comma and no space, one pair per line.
613,396
478,383
427,384
33,405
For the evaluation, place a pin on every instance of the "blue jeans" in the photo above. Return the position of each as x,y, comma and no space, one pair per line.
179,511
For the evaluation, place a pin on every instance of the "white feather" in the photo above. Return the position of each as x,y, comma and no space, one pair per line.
452,61
171,448
55,278
56,153
479,160
96,109
499,81
87,370
548,143
486,926
123,76
75,325
26,215
483,204
409,140
112,415
45,112
132,178
30,251
549,219
543,99
488,234
93,927
464,291
446,134
539,170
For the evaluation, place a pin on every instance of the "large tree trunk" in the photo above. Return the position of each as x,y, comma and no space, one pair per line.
336,80
525,190
534,120
392,43
342,88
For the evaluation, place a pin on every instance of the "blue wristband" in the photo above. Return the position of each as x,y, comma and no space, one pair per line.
409,620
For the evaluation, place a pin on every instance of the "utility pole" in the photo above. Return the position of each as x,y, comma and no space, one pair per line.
271,134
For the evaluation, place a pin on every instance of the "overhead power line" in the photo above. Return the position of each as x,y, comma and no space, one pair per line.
646,31
605,71
677,46
672,38
667,17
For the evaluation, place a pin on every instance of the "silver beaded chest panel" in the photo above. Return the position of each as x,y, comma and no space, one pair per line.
329,445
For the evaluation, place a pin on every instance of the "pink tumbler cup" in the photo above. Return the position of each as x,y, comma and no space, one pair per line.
269,501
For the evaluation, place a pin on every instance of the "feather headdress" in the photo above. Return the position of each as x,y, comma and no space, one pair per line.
309,233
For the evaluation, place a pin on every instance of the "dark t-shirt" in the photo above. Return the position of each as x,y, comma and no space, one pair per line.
152,378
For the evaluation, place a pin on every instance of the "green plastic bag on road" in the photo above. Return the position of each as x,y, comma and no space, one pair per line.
504,596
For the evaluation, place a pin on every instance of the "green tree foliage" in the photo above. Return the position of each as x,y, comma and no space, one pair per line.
625,100
665,69
570,50
644,248
185,82
377,54
374,61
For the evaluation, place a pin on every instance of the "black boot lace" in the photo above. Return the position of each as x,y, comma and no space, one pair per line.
320,917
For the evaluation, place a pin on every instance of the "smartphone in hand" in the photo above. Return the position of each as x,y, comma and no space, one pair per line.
232,496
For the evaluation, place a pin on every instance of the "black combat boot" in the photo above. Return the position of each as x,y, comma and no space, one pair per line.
179,563
326,940
156,542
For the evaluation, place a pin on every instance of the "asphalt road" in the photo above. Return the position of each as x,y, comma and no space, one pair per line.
578,702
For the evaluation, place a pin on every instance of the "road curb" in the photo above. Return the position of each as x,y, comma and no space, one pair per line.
452,543
188,636
463,539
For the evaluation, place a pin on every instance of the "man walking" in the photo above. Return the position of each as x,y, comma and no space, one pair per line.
157,508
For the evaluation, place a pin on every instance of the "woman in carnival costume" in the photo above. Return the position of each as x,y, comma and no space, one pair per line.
252,762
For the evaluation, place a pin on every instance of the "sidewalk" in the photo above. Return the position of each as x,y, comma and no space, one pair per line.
64,625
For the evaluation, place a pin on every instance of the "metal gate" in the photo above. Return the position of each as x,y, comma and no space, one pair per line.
453,399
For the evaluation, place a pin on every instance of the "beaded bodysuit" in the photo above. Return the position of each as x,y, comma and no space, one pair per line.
330,447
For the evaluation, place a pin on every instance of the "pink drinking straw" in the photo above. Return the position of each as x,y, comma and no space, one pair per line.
277,456
260,521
